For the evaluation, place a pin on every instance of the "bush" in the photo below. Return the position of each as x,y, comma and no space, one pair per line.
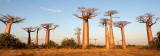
51,44
90,46
69,43
154,45
8,41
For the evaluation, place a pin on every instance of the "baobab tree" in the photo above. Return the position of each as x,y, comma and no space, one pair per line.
86,13
148,19
121,24
48,27
37,29
110,13
29,30
78,33
104,22
8,20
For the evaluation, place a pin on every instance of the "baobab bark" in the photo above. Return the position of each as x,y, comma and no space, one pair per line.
47,37
107,36
111,34
85,33
123,38
36,41
149,33
29,38
8,27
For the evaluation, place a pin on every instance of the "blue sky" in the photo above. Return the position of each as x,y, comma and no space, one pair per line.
60,12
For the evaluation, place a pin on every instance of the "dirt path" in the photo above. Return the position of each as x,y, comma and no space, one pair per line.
134,51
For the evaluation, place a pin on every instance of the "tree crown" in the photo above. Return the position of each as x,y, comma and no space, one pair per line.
49,26
111,12
87,13
29,29
147,18
104,21
121,24
10,19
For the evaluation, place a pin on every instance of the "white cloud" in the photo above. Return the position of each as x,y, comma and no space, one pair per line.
52,10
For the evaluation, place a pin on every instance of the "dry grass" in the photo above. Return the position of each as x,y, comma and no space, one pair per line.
131,51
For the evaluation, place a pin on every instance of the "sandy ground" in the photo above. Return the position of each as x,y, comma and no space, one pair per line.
131,51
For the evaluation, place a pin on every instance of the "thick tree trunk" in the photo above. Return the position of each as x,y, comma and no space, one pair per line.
36,41
47,37
8,27
85,33
29,38
123,38
149,33
79,43
111,34
107,36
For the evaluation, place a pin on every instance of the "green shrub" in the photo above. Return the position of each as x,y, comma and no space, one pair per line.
10,42
90,46
69,43
51,44
154,45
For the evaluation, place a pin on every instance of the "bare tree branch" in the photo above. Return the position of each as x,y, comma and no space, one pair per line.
29,29
121,24
87,13
147,18
9,19
111,12
104,21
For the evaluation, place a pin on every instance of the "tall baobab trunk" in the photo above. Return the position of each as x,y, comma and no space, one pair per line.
36,41
107,36
8,27
149,33
123,38
29,38
47,37
111,34
85,33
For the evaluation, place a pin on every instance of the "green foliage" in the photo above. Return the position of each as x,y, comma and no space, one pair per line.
69,43
90,46
51,44
8,41
131,45
154,45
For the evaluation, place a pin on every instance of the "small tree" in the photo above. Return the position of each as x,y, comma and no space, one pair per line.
78,33
104,22
37,29
8,20
29,30
69,43
86,13
110,13
48,27
121,24
148,19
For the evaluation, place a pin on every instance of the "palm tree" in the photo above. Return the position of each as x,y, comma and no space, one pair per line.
37,29
87,13
104,22
110,13
148,18
48,27
78,33
8,20
121,24
29,30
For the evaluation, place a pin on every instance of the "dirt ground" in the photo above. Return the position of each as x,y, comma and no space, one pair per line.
130,51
